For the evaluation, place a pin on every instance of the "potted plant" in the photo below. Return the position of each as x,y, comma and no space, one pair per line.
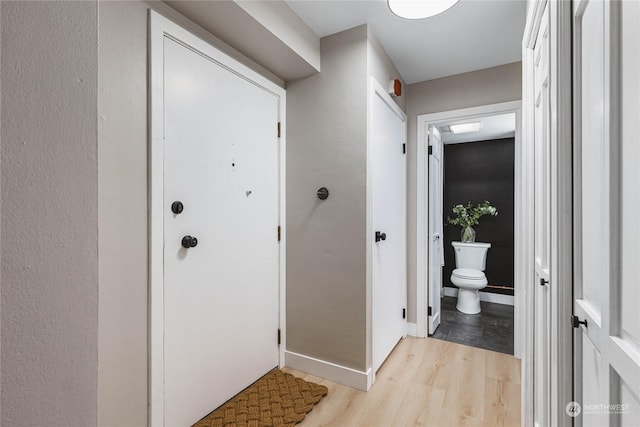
468,216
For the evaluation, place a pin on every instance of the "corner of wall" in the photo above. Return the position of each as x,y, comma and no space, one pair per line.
326,261
380,66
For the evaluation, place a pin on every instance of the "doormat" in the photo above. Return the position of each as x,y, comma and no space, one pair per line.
277,399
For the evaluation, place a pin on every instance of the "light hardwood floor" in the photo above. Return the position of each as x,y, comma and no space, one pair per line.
427,382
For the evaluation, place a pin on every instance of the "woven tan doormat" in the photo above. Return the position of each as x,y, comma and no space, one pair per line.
277,399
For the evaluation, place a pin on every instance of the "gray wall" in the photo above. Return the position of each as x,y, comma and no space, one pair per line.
382,69
326,259
49,215
326,242
482,87
122,202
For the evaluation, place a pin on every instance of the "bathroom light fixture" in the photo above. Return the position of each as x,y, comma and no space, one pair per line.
465,127
419,9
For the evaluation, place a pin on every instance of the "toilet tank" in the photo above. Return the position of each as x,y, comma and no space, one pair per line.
471,255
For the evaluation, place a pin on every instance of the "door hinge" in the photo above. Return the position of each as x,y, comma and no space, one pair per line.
404,148
279,233
404,313
429,311
430,149
279,337
278,129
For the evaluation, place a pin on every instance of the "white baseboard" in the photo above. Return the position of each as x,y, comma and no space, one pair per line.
330,371
412,329
484,296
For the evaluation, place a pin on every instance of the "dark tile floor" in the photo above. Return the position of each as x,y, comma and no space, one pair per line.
491,329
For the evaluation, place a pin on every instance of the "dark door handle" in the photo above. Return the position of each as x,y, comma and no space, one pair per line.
543,282
576,322
189,242
380,236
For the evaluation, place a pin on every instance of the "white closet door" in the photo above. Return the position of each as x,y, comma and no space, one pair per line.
388,201
607,202
542,227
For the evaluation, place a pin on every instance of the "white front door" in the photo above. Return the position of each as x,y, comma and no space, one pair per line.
606,220
542,228
436,255
388,218
221,295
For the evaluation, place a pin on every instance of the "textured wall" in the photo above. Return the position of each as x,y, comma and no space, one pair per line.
326,259
49,214
482,87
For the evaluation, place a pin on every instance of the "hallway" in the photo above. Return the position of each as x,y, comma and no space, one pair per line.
427,382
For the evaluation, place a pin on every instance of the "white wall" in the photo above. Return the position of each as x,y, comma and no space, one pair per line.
49,214
482,87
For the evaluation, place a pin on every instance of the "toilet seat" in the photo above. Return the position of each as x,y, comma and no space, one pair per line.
468,273
469,279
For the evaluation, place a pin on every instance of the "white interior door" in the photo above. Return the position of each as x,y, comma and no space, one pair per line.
542,227
607,202
388,218
221,297
436,255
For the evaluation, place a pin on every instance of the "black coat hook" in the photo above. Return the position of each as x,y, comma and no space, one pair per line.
323,193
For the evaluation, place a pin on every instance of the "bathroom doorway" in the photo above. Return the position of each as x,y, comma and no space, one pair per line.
479,161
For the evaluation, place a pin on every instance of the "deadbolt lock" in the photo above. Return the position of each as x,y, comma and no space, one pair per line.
177,207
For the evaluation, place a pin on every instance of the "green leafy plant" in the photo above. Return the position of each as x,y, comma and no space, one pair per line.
468,215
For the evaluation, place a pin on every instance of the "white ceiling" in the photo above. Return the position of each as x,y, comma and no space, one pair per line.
473,35
491,127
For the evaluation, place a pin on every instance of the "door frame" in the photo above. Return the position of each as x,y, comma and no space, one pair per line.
159,27
561,166
422,211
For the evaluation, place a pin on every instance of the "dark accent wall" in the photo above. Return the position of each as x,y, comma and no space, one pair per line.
478,171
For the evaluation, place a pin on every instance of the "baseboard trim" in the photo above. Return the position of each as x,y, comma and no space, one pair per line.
330,371
484,296
412,329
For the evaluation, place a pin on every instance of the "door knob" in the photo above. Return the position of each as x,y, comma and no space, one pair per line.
543,281
189,242
380,236
576,322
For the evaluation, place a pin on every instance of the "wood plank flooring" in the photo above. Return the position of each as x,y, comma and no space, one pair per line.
427,382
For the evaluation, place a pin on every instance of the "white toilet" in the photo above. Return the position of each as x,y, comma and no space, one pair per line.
471,259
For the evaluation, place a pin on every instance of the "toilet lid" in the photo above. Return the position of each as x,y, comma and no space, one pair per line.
468,273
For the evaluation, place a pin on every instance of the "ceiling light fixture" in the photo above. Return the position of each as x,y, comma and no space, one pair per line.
419,9
465,127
